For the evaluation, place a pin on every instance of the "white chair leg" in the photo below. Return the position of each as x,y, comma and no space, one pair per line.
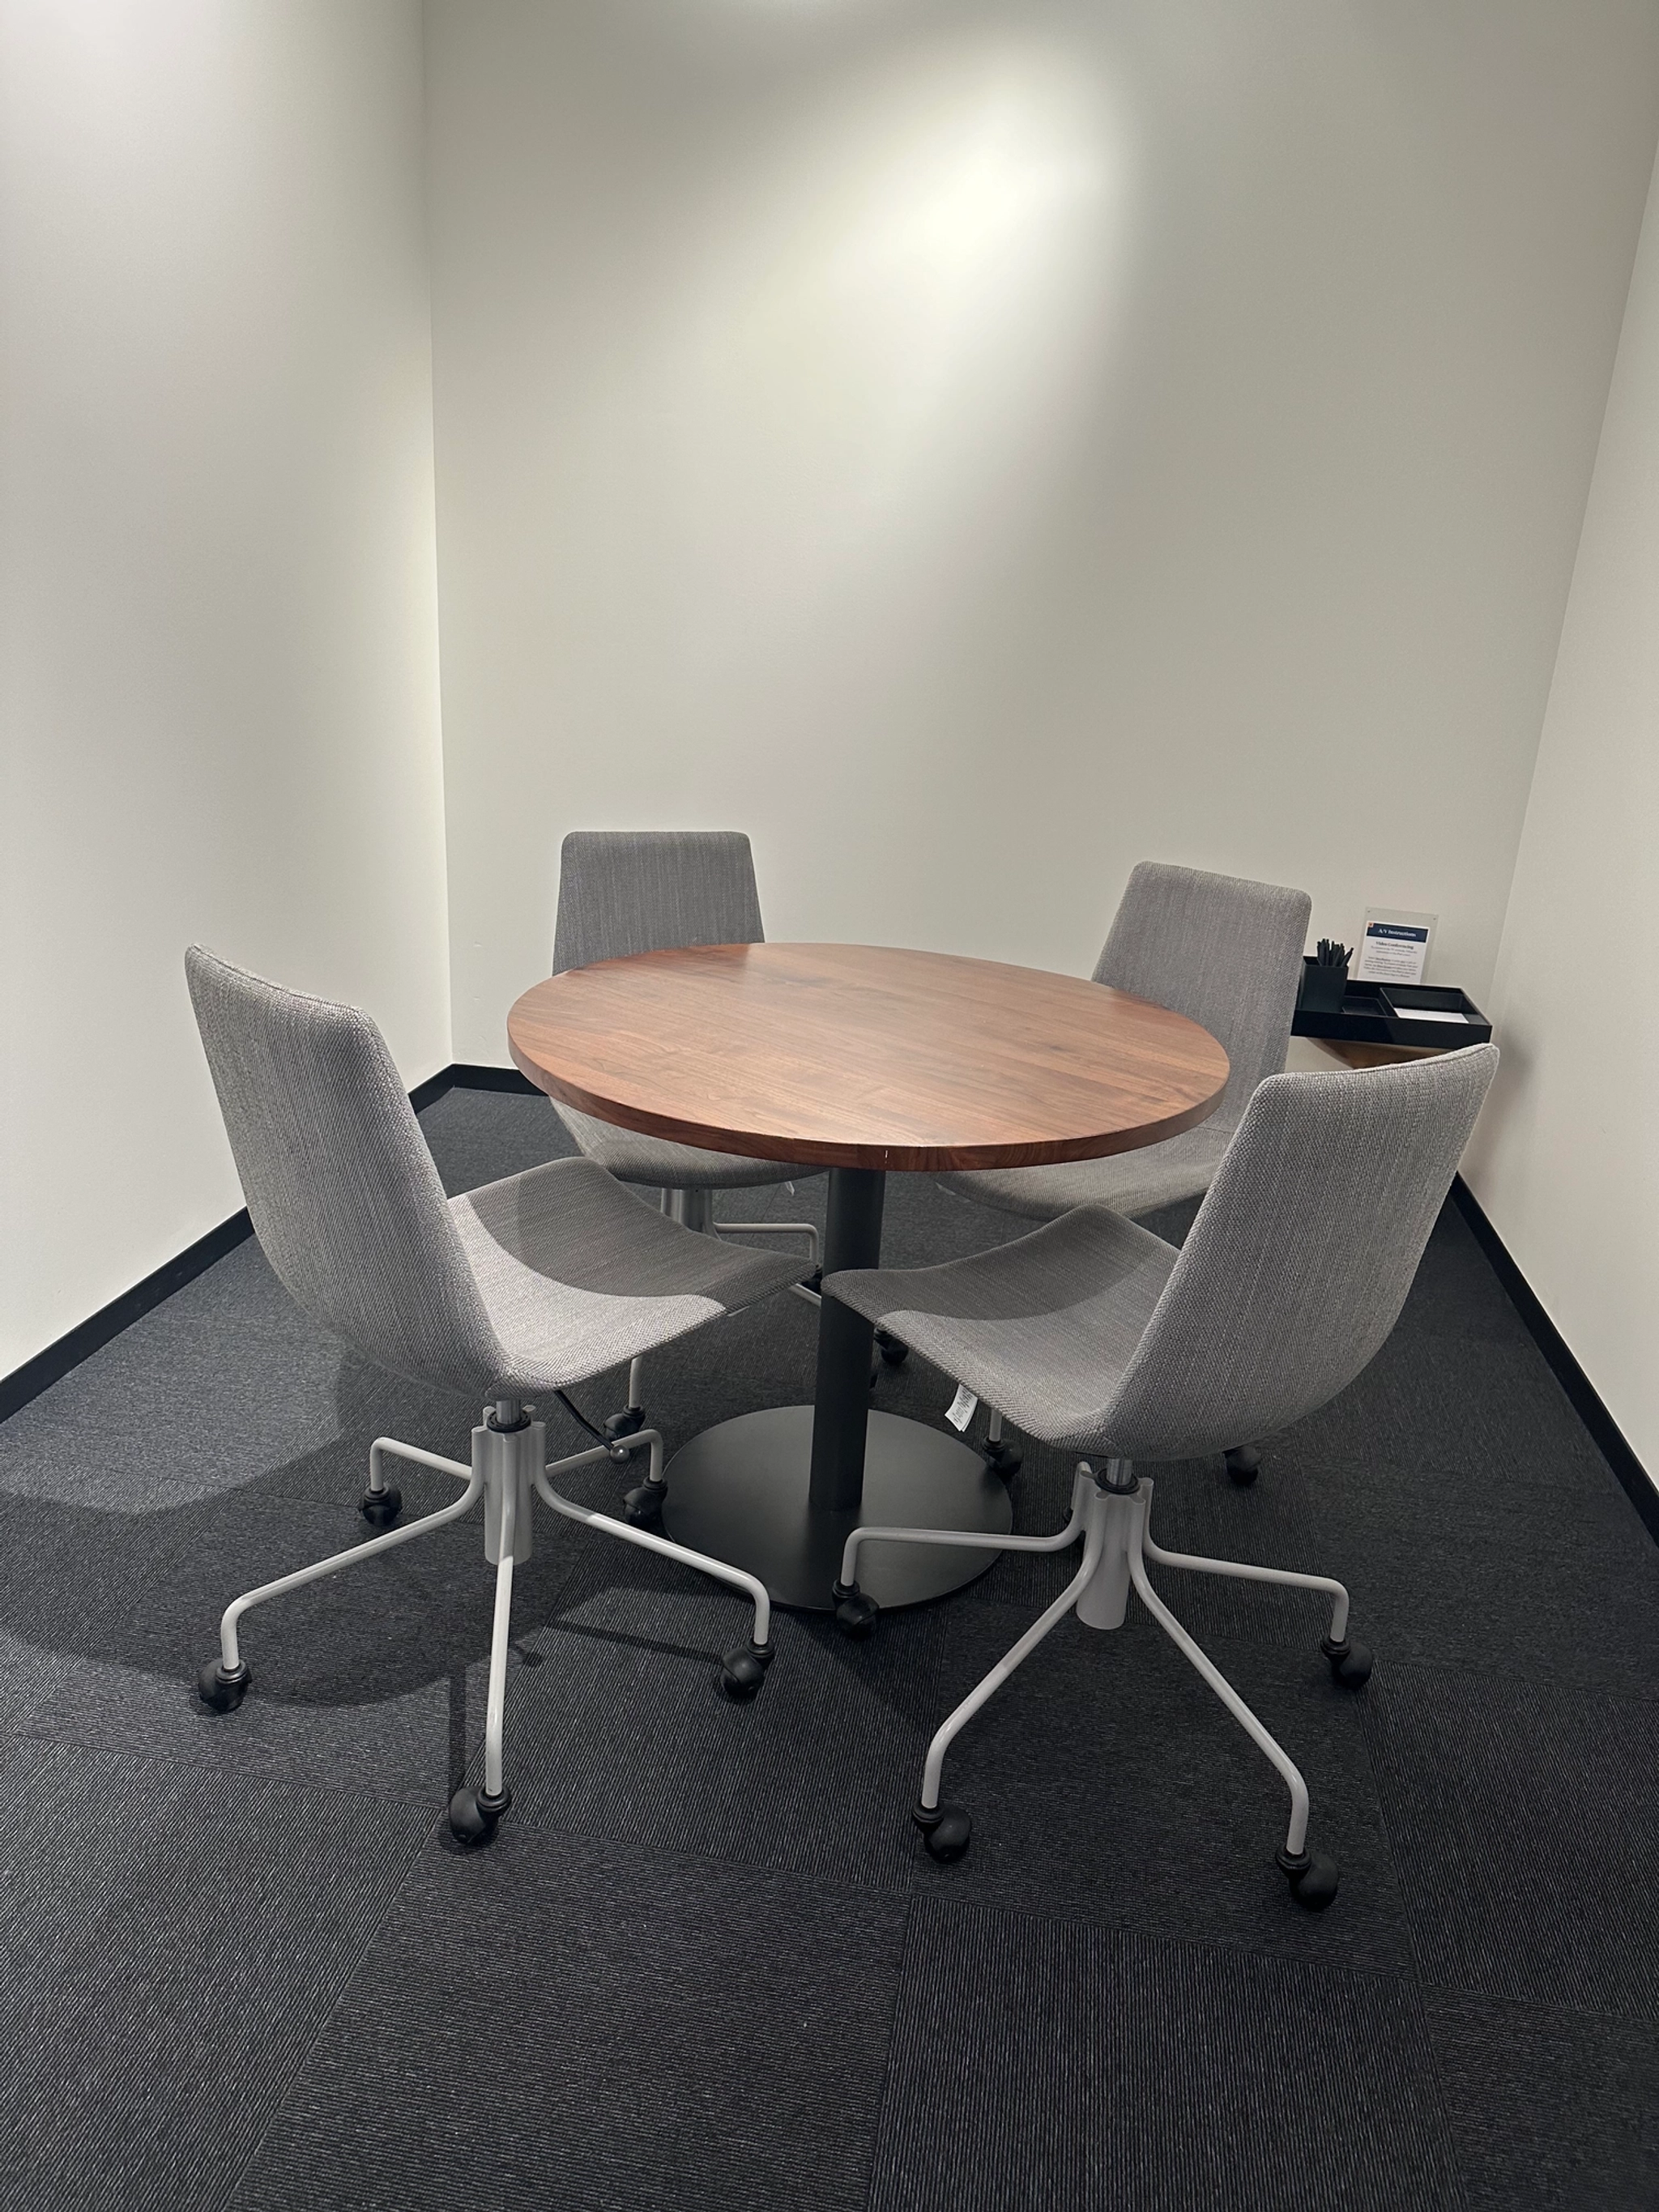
1003,1459
856,1613
508,1448
742,1671
947,1828
222,1683
1313,1878
1350,1663
806,1228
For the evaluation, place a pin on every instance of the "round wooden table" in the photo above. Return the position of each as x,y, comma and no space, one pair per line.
861,1059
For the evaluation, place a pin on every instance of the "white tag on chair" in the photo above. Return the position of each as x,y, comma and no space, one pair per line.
960,1410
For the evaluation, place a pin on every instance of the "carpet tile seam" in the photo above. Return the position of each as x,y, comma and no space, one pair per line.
395,1893
1460,1994
233,1784
879,2113
1414,1975
1049,1917
848,1887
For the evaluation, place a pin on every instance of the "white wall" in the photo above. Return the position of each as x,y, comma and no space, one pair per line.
217,592
974,443
1567,1160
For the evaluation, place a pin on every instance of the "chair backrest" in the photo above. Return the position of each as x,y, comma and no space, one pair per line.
341,1189
1225,952
640,890
1302,1253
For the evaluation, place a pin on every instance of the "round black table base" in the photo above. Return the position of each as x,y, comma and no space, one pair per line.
739,1493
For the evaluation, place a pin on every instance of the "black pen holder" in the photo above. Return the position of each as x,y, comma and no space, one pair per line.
1322,988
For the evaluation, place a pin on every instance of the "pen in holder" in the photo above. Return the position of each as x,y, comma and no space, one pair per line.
1325,977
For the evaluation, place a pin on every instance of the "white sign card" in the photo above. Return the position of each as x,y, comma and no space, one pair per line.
1395,948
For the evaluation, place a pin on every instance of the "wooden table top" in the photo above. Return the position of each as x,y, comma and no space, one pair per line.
860,1056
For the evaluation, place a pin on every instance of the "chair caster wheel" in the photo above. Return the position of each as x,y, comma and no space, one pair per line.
1243,1464
628,1424
892,1349
1312,1877
474,1814
946,1830
221,1687
856,1614
1003,1459
381,1508
742,1669
1351,1663
642,1506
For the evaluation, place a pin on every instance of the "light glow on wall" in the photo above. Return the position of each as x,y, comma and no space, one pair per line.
872,348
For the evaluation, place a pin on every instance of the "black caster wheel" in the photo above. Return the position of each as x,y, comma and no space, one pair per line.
1312,1877
221,1687
628,1424
474,1814
642,1506
381,1508
1243,1464
1003,1459
742,1669
856,1614
1351,1663
946,1830
892,1349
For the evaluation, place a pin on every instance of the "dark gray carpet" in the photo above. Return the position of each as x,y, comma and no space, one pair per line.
707,1963
170,1945
1053,2064
557,2024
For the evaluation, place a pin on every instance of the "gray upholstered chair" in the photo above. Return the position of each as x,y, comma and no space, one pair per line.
623,891
1227,953
1100,1338
523,1287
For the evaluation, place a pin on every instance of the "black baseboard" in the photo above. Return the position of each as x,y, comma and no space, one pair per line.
467,1075
430,1092
50,1365
1608,1436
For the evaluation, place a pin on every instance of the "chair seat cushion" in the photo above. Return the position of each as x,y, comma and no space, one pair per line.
1129,1182
577,1275
632,1157
1042,1328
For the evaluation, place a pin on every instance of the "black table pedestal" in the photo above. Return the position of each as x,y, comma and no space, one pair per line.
780,1491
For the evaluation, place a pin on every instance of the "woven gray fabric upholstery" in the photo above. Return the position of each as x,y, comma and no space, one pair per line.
1289,1281
1042,1329
578,1276
623,891
525,1284
1225,952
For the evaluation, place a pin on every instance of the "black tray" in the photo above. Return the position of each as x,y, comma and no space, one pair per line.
1392,1013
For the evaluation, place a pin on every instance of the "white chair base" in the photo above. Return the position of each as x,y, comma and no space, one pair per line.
1110,1515
509,1460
